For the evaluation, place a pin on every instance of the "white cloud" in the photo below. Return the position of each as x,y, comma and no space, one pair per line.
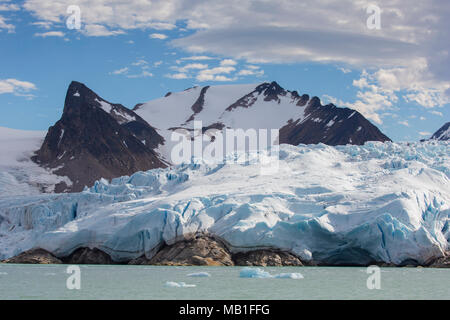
140,62
345,70
177,76
197,58
215,74
404,123
425,133
161,26
7,26
251,72
228,62
97,30
16,87
120,71
158,36
437,113
190,66
50,34
43,24
143,74
9,7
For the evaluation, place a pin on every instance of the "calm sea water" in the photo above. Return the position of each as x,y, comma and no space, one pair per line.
149,282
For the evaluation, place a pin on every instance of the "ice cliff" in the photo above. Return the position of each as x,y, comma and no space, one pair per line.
349,204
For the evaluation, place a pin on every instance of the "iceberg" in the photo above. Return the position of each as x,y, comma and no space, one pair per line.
381,202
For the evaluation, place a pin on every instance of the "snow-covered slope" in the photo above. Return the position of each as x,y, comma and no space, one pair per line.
348,204
300,119
18,174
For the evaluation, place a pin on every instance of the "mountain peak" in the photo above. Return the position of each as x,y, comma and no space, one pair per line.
443,133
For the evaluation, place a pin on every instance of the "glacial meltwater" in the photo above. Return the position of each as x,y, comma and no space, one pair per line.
153,282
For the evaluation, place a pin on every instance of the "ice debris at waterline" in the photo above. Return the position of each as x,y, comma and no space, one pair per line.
199,275
172,284
335,205
261,274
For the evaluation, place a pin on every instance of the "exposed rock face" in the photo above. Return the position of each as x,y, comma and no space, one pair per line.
96,139
88,256
330,125
443,262
199,251
443,134
266,258
34,256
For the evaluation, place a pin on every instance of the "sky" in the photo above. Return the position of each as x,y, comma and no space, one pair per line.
394,67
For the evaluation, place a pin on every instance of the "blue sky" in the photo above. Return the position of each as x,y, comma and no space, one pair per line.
132,55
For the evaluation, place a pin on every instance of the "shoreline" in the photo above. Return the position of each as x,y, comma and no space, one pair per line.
204,250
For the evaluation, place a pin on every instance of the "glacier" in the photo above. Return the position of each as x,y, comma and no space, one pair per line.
386,202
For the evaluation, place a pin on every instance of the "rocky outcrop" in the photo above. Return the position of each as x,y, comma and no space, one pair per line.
34,256
443,262
199,251
88,256
266,258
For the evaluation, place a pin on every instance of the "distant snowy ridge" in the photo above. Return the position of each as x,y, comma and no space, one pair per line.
18,174
336,205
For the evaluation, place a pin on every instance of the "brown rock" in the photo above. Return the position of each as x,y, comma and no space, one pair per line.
202,250
34,256
88,256
443,262
266,258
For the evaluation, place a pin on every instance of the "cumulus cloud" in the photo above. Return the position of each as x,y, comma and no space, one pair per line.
6,26
190,66
16,87
215,74
228,62
158,36
177,76
50,34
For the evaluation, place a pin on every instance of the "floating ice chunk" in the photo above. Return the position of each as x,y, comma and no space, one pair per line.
172,284
199,275
293,275
259,273
254,273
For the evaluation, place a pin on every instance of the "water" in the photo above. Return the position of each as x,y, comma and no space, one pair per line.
148,282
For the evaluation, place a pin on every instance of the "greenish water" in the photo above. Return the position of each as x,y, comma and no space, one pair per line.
149,282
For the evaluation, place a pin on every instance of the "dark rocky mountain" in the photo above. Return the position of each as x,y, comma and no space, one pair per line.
96,139
443,134
330,125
